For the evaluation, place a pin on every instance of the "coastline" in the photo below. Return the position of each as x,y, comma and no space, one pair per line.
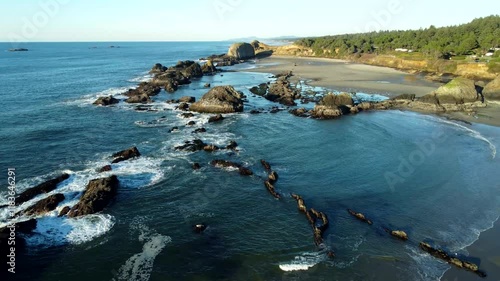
346,76
338,75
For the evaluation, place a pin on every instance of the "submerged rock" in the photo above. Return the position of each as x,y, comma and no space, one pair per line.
228,164
44,187
97,196
64,211
192,146
270,187
220,99
273,177
126,154
196,166
106,168
265,164
199,228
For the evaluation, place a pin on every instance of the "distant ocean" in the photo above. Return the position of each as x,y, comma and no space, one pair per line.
446,191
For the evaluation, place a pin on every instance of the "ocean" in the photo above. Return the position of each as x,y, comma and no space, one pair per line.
435,178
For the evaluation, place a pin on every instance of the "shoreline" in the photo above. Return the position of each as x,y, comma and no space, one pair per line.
303,70
346,76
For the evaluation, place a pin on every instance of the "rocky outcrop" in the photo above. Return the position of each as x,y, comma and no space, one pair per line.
106,101
196,166
158,68
359,216
199,228
144,88
209,68
232,145
190,69
222,60
97,196
282,91
216,118
186,99
143,98
220,99
440,254
44,187
64,211
265,164
126,154
270,187
241,51
45,205
333,106
228,164
260,90
457,91
399,234
492,90
192,146
318,221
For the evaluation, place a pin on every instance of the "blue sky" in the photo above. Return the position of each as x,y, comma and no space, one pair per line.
204,20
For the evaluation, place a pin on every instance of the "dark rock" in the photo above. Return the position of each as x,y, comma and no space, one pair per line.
174,129
126,154
260,90
232,145
192,71
207,85
399,234
144,89
191,123
143,98
209,68
200,130
281,91
228,164
192,146
255,111
45,205
273,177
360,216
158,68
44,187
220,99
64,211
216,118
171,85
105,101
187,99
97,196
440,254
106,168
183,106
300,112
196,166
187,115
199,228
18,50
265,164
210,148
270,187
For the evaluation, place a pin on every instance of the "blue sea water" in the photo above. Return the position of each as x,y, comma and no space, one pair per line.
436,179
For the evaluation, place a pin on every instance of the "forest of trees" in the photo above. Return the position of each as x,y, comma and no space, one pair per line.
476,37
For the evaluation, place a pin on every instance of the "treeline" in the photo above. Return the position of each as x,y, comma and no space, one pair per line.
476,37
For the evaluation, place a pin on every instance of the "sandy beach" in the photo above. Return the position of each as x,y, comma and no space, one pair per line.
342,75
345,76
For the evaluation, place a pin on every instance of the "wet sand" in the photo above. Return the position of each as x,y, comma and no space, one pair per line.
345,76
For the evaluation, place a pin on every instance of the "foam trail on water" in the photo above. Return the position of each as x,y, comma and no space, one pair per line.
139,266
303,262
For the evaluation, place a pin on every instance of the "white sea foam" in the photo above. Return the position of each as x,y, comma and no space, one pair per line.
303,262
472,133
89,99
54,231
142,78
139,266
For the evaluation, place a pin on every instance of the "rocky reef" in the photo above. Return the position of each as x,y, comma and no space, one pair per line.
220,99
97,196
